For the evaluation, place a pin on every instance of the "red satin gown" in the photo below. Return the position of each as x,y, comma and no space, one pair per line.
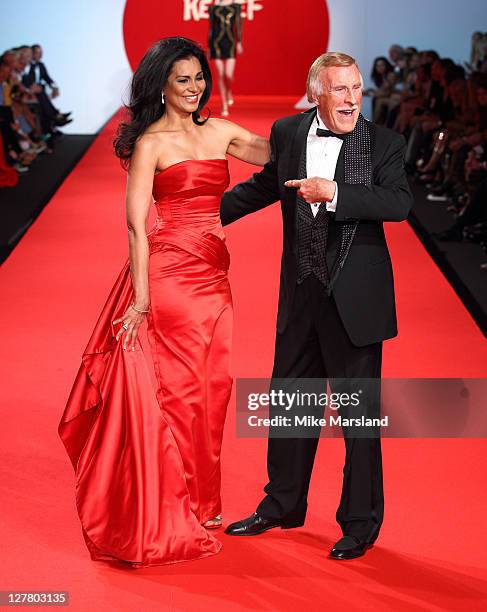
146,460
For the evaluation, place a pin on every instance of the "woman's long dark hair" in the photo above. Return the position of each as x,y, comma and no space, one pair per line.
376,77
148,81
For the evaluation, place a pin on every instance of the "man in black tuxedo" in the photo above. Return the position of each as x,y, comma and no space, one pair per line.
36,78
37,72
338,177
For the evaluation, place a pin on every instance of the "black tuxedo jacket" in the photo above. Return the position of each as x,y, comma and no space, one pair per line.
29,78
364,291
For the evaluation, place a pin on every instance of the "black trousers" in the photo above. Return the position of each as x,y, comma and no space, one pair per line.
9,136
315,345
46,111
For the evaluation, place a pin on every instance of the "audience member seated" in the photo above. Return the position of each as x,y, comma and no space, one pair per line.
478,57
14,153
36,79
441,109
29,122
384,86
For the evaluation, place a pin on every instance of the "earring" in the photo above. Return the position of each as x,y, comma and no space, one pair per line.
162,97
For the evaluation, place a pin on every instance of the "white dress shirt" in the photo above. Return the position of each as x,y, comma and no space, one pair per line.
37,73
321,159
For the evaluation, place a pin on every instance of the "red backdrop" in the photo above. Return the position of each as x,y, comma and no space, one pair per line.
281,38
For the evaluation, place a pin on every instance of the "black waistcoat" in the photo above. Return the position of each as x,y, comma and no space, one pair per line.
318,237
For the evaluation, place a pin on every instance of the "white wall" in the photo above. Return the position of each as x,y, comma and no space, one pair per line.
84,51
367,28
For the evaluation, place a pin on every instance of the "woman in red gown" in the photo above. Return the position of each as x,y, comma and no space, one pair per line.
147,461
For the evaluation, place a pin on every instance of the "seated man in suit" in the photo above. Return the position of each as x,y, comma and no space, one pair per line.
36,79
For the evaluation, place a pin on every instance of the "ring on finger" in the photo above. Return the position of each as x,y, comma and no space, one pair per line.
125,325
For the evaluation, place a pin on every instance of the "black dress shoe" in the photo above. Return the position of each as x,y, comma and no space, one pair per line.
61,122
255,524
349,547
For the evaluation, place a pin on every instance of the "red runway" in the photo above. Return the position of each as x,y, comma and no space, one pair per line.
430,555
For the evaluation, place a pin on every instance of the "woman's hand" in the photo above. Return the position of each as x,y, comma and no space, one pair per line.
130,323
239,48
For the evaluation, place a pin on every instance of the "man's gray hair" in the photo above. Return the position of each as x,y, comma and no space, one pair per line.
327,60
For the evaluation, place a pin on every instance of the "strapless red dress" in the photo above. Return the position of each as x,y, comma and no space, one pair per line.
147,460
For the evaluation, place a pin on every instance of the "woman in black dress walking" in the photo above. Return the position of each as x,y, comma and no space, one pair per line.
225,41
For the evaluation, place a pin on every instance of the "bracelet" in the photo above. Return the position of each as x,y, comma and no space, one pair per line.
137,310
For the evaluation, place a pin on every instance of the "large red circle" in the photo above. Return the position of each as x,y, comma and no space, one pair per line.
280,42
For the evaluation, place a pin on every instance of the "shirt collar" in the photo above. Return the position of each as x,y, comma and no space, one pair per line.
319,121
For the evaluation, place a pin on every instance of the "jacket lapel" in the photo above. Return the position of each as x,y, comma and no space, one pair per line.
340,167
299,141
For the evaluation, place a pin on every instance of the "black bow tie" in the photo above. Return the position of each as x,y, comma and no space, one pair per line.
329,133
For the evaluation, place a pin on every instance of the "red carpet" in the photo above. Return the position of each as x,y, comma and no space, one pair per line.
430,555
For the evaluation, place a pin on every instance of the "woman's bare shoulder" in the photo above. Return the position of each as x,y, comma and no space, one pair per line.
151,138
150,141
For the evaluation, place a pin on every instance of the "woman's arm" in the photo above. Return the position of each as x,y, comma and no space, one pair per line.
238,22
245,145
138,200
256,193
238,28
